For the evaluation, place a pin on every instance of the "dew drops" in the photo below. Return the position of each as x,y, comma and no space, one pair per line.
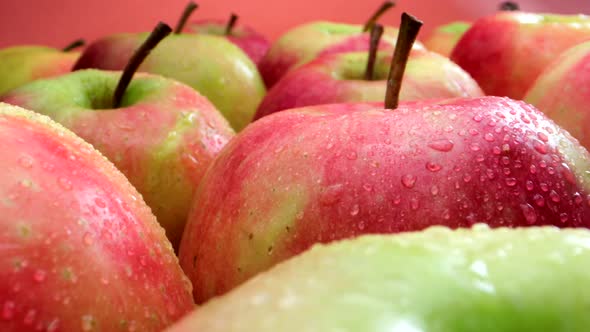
490,173
529,213
533,169
433,167
361,225
510,182
408,181
434,190
64,183
473,132
354,210
543,137
39,275
414,203
489,137
332,194
554,196
540,147
443,145
563,217
544,187
8,310
100,203
466,178
477,118
578,198
479,158
368,187
351,155
446,214
30,317
539,200
475,147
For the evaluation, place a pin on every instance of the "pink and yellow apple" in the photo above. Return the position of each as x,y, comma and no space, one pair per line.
444,38
507,51
79,249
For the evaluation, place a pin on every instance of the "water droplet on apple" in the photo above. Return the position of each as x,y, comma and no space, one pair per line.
414,203
578,199
367,187
53,325
477,118
544,187
434,190
26,162
446,215
408,181
543,137
539,200
351,155
8,310
540,147
64,183
473,132
433,167
554,196
443,145
529,213
39,276
361,225
354,210
510,182
332,194
30,317
489,137
563,217
100,203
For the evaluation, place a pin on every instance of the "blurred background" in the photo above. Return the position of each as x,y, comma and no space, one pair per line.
57,22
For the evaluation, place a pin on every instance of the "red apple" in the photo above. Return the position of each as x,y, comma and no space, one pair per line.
81,251
325,173
342,77
507,51
249,40
307,41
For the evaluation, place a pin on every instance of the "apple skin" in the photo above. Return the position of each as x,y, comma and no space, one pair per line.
562,92
80,249
249,40
23,64
330,172
527,279
212,65
507,51
339,78
444,38
308,41
163,137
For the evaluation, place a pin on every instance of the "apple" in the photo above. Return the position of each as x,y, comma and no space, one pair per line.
342,77
81,251
528,279
306,42
160,133
324,173
212,65
444,38
562,92
23,64
249,40
507,51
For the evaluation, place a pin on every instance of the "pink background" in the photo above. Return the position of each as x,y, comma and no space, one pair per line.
57,22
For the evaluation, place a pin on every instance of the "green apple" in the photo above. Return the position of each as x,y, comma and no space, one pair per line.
212,65
444,38
79,248
438,280
23,64
162,136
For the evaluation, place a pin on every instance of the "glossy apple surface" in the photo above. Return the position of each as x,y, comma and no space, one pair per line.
507,51
22,64
339,78
79,249
330,172
481,280
212,65
163,137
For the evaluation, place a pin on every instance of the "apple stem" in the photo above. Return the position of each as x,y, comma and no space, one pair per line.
160,32
186,13
376,32
75,44
408,31
509,6
231,23
380,11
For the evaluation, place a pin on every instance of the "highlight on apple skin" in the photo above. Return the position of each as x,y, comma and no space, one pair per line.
330,172
80,249
528,279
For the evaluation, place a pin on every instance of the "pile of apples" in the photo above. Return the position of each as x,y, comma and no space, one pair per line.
343,178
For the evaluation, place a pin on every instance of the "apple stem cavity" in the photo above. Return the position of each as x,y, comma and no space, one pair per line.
509,6
380,11
73,45
231,24
376,32
186,13
408,31
160,32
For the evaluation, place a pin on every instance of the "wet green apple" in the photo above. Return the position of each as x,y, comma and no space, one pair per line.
438,280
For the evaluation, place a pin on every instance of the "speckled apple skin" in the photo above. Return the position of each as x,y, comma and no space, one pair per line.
507,51
163,138
325,173
79,249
